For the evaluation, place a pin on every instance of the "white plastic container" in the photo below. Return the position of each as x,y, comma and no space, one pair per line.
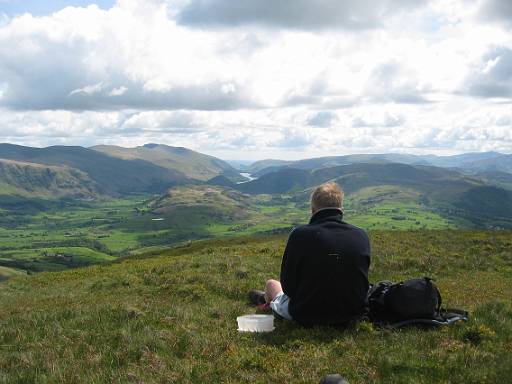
255,323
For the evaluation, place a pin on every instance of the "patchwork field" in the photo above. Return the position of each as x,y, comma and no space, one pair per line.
170,317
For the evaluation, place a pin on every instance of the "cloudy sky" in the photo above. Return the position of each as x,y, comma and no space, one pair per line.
251,79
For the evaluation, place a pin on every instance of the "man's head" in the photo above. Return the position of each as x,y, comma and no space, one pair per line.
328,195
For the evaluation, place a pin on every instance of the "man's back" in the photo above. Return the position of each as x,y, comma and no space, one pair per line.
325,270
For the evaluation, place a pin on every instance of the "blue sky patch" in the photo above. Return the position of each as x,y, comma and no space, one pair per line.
46,7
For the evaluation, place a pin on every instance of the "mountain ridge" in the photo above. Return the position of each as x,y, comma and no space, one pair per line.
116,176
470,162
192,164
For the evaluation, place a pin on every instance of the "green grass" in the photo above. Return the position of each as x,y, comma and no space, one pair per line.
400,216
91,229
170,317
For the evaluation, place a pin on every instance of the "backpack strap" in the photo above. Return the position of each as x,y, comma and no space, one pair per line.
447,319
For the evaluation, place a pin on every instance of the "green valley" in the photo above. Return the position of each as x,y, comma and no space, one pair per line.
64,207
82,233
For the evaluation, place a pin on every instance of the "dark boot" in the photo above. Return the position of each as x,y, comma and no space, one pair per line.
257,297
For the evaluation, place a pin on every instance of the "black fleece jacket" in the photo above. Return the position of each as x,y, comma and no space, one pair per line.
324,270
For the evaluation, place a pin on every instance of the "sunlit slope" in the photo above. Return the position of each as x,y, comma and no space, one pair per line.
172,318
210,198
114,175
200,211
193,165
42,181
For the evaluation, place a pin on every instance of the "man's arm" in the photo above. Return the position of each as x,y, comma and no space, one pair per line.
289,265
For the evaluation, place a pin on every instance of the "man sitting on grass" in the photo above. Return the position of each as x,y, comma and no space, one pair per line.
324,271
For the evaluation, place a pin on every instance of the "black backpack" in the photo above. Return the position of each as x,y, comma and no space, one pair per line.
415,301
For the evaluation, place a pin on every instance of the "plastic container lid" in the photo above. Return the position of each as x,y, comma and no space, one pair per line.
255,323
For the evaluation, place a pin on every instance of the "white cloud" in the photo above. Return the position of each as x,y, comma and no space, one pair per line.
212,76
385,120
390,82
118,91
80,57
89,89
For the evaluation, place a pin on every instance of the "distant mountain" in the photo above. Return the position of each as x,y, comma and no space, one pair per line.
256,167
464,159
476,184
497,163
107,170
470,162
356,176
114,175
42,181
283,180
222,181
240,165
191,164
267,166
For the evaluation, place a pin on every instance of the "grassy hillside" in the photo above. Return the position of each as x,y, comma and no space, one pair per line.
171,318
222,181
192,212
112,174
46,182
500,179
226,201
193,165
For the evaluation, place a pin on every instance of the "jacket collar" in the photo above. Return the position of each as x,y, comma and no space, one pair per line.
325,213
